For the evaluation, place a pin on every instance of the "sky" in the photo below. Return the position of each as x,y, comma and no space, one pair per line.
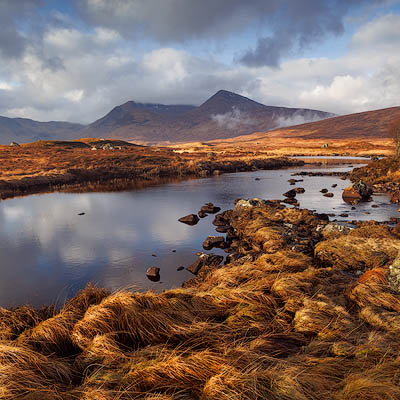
74,60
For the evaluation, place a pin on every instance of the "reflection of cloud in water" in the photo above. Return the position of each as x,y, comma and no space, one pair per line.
13,212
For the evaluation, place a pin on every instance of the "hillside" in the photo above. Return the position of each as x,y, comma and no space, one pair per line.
224,115
368,125
24,130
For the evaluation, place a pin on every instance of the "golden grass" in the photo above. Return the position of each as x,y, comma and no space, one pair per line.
287,325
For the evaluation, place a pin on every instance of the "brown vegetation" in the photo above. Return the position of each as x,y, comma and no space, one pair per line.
49,165
290,319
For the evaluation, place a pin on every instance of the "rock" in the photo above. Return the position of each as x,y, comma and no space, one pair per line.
256,179
191,219
357,192
181,268
334,185
291,201
153,273
232,257
202,214
209,208
14,144
223,229
329,194
219,220
344,215
82,213
333,229
322,216
211,260
291,193
375,206
299,190
324,190
213,241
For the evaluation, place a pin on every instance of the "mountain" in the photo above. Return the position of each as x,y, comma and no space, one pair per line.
24,130
369,124
223,115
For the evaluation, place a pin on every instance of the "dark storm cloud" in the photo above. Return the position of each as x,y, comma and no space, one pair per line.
300,24
292,24
12,13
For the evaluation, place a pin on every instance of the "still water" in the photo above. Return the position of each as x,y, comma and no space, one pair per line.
48,251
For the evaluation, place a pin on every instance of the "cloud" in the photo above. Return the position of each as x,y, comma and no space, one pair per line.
232,119
299,117
12,41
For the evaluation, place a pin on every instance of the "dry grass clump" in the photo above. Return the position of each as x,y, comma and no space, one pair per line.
23,371
369,246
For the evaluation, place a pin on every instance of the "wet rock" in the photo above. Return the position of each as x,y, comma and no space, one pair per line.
220,220
357,192
153,273
375,206
300,190
353,208
202,214
213,241
329,194
211,260
191,219
322,216
334,185
291,201
181,268
291,193
324,190
257,179
209,208
343,215
223,229
82,213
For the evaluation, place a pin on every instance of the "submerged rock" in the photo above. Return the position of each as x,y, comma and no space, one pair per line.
191,219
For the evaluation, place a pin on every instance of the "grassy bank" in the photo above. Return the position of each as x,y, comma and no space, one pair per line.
46,166
307,311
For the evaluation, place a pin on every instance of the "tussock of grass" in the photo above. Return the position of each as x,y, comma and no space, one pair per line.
287,325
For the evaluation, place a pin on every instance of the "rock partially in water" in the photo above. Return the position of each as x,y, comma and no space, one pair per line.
291,193
357,192
202,214
191,219
329,194
209,208
211,260
324,190
153,273
299,190
213,241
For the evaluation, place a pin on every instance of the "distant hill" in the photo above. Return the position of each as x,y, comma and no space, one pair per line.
23,130
369,124
223,115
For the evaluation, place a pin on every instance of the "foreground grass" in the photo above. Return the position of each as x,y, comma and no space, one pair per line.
306,312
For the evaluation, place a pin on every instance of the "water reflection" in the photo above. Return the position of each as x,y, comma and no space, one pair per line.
48,251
